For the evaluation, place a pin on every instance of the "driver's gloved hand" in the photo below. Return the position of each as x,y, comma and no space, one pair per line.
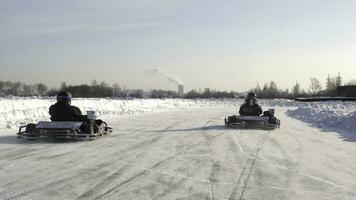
98,121
266,114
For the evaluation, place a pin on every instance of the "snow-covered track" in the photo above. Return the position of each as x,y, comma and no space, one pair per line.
185,154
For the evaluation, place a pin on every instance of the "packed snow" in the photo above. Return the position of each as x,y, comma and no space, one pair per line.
17,111
180,149
331,116
182,155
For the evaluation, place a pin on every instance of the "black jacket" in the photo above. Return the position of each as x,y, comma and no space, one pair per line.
62,111
250,110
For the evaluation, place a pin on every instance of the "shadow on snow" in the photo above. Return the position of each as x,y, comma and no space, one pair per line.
209,128
13,139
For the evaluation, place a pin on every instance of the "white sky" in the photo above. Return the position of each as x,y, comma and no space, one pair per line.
221,44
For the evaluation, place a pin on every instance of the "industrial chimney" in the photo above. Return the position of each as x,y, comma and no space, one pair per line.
180,90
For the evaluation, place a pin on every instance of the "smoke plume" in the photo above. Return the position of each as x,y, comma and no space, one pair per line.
171,78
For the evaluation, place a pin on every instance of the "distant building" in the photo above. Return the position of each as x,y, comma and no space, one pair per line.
180,90
346,91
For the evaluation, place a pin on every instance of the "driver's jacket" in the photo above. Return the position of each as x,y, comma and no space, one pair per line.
250,110
62,111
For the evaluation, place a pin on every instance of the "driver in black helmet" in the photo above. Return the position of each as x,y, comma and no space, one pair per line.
63,111
250,107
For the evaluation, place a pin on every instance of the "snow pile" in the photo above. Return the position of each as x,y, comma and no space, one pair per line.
264,103
13,111
327,115
20,111
270,103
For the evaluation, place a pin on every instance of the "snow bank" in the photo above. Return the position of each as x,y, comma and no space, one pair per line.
271,103
327,115
19,111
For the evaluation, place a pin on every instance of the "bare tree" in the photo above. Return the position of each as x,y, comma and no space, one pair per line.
257,89
42,89
315,86
338,80
116,90
63,86
330,84
296,90
29,90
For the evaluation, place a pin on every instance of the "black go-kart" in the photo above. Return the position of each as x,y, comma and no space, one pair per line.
87,130
266,121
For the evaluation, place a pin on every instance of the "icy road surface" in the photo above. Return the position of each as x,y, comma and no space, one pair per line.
185,154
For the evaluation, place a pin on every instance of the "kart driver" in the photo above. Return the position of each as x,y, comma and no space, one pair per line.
250,107
63,111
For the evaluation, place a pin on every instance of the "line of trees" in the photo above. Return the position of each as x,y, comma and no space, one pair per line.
103,89
95,89
271,90
207,93
22,89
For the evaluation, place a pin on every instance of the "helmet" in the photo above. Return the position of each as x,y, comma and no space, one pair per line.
251,95
64,97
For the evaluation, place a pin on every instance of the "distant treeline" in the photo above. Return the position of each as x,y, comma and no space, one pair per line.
207,93
21,89
103,89
316,88
95,89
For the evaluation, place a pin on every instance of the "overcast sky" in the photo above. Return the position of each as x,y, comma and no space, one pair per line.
221,44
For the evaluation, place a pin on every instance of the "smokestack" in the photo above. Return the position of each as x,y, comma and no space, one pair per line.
170,78
180,90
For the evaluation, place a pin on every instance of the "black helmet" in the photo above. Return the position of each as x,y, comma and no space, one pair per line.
64,97
251,95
